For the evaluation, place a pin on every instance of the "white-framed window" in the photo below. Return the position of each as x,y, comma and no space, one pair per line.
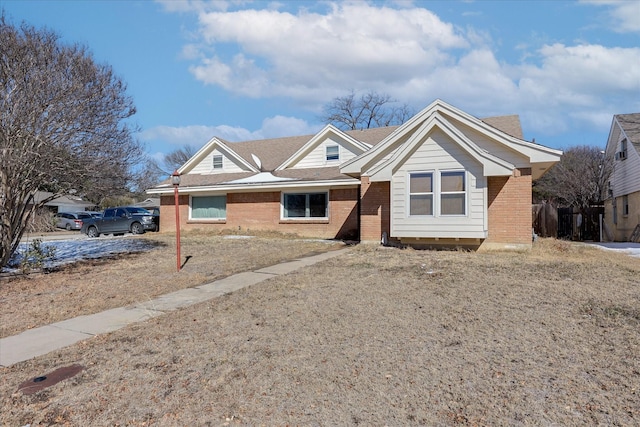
217,161
438,193
453,194
305,205
615,210
421,193
332,152
209,207
625,205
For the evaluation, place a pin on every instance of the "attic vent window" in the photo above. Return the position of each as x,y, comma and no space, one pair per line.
333,152
622,154
217,161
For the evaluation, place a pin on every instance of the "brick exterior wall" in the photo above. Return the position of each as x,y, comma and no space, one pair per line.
509,212
375,209
509,200
261,211
625,224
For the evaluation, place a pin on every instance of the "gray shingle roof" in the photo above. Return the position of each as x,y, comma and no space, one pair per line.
630,123
275,151
507,124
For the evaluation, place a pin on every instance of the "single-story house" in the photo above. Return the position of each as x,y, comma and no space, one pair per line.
67,203
622,205
150,203
444,177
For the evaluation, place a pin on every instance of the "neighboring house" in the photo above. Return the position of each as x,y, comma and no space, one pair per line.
151,203
63,203
442,178
622,206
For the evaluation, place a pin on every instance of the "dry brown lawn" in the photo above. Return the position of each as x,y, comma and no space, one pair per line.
96,285
380,336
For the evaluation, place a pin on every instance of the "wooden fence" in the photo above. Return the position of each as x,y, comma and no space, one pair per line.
567,223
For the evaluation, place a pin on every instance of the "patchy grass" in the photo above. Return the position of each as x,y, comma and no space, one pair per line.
381,336
93,286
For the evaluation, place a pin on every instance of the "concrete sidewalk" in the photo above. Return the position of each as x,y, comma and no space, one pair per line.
38,341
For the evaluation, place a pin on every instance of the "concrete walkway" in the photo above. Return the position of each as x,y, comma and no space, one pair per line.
38,341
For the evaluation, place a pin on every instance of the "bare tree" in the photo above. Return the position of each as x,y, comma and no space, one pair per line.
578,180
153,171
371,109
177,158
63,127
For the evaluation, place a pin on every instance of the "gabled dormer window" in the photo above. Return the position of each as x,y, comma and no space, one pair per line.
333,152
217,161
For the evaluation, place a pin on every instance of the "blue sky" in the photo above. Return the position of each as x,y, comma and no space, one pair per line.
245,70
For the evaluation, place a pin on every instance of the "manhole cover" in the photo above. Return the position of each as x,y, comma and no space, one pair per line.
43,381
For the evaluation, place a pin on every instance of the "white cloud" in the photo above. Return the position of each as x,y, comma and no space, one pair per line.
414,56
291,55
197,136
624,14
278,126
194,5
573,83
627,14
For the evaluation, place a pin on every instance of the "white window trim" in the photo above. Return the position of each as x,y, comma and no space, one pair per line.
437,193
466,193
314,218
433,193
191,218
326,153
213,162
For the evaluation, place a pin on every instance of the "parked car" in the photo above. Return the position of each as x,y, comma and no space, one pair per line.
71,220
120,220
94,214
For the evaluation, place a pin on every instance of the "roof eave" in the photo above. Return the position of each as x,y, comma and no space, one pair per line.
261,186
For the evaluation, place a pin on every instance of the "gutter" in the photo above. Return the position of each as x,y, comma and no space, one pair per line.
226,188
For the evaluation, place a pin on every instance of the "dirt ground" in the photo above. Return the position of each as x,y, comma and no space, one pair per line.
380,336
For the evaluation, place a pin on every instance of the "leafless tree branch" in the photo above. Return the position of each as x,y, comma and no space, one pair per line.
63,126
578,180
369,110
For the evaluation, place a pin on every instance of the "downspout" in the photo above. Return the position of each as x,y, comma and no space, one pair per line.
358,237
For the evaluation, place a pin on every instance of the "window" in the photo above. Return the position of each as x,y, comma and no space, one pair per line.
333,152
623,149
615,211
625,205
209,207
305,205
421,193
437,194
217,161
452,193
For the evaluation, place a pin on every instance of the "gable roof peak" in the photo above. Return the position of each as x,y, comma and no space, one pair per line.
630,125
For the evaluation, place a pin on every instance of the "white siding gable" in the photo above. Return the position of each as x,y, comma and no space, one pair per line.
317,156
626,173
490,145
229,165
436,154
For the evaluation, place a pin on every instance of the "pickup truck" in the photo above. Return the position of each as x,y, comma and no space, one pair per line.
120,220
